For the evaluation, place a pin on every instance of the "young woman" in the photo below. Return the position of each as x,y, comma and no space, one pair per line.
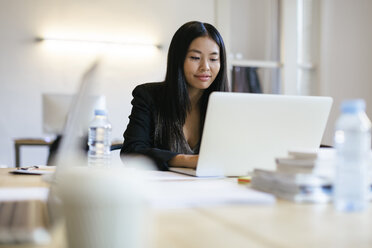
167,118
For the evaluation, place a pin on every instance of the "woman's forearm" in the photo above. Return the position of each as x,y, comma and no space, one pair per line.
184,160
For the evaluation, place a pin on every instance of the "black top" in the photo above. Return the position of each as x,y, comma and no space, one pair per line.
139,135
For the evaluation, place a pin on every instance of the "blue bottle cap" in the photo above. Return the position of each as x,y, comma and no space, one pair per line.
353,106
100,112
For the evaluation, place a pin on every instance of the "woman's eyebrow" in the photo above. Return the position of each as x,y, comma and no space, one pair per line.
197,51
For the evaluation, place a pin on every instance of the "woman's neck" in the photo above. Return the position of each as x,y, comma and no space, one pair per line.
191,127
195,95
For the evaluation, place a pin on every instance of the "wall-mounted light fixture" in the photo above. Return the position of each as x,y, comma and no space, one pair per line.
101,42
133,47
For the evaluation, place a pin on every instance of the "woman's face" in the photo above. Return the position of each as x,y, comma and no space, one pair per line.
202,63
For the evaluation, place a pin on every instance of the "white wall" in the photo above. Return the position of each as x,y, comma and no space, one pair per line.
288,46
249,22
346,54
28,69
250,34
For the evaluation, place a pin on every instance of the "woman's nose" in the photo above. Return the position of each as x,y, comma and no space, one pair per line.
204,66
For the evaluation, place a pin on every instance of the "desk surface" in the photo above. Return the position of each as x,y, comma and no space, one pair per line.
284,224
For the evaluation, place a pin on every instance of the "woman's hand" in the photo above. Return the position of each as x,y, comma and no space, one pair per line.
184,160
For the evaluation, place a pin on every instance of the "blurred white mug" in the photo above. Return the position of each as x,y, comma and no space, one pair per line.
103,207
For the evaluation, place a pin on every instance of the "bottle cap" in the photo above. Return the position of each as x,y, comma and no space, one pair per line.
100,112
353,106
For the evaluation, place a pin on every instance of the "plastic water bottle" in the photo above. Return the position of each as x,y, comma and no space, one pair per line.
353,159
99,139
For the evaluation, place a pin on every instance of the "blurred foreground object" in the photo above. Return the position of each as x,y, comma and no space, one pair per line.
103,207
353,161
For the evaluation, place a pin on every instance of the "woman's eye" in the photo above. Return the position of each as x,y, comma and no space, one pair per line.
194,58
214,59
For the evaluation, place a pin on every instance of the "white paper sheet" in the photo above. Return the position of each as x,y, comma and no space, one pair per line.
198,193
23,194
167,176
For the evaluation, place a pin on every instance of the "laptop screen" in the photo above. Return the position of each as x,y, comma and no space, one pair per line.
71,148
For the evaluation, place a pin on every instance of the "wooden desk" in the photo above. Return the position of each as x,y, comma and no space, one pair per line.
11,180
284,224
297,225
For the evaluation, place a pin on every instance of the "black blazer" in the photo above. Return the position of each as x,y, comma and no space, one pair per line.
139,135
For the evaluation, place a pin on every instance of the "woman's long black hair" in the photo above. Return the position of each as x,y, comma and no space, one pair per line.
172,114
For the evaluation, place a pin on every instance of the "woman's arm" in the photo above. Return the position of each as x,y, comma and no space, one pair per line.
184,160
138,137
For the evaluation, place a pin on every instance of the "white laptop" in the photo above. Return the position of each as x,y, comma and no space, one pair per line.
75,128
245,131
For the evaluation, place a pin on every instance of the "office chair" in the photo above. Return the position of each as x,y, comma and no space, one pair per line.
116,146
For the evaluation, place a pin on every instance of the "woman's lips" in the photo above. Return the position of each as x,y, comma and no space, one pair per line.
203,77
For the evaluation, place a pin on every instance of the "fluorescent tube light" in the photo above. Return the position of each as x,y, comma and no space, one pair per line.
107,42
